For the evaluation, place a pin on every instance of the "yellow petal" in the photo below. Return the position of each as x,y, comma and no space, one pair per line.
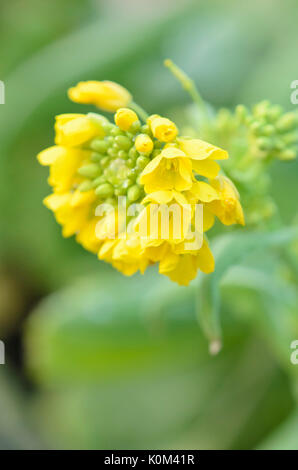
162,128
171,169
87,236
63,170
168,263
124,118
160,197
56,201
75,131
208,219
151,167
228,209
50,155
204,192
198,149
179,268
106,95
207,168
205,260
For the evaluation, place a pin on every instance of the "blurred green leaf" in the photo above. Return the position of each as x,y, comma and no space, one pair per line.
230,250
96,329
16,426
285,437
125,366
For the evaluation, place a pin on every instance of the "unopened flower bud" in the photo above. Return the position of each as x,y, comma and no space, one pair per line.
106,95
288,154
104,190
286,122
90,171
124,118
144,144
162,128
99,145
134,193
123,142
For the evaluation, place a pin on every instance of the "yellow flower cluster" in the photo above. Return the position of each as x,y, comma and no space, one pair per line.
110,180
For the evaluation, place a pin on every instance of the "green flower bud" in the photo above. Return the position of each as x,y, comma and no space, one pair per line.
155,153
96,157
241,112
115,131
112,152
260,110
123,142
99,145
111,200
134,193
268,130
104,190
100,180
257,127
89,171
122,154
133,153
135,127
133,173
290,138
145,129
264,143
130,163
107,127
104,162
127,183
286,122
142,161
274,112
279,144
158,144
120,191
85,186
288,154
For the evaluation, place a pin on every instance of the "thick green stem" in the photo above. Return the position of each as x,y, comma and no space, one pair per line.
208,314
139,110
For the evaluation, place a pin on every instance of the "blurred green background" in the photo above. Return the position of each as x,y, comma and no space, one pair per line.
95,360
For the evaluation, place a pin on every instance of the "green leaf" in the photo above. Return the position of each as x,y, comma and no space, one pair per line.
230,250
125,366
284,437
98,329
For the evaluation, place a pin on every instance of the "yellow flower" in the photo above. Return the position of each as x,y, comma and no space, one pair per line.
72,210
171,169
166,216
130,192
203,193
87,236
162,128
203,156
73,130
106,95
125,254
64,163
227,208
182,268
124,118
